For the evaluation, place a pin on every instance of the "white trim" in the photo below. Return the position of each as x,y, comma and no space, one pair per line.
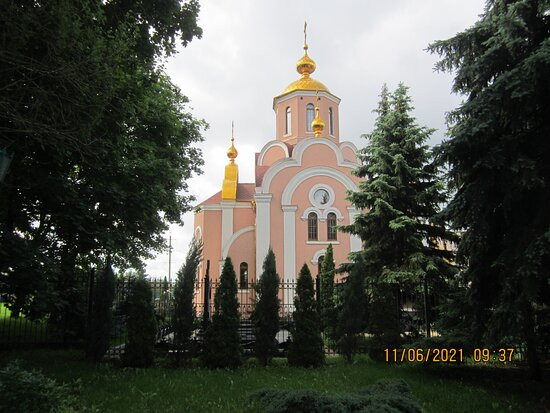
284,97
301,176
233,237
322,215
296,160
327,211
263,222
348,144
227,222
317,255
289,247
270,145
218,207
311,209
327,188
333,242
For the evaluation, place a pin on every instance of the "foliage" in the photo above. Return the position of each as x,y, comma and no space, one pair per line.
329,314
390,396
99,330
141,325
306,349
222,342
498,158
31,392
184,316
266,310
350,322
401,194
91,120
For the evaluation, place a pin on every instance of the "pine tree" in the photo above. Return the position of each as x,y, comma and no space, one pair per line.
99,333
266,311
141,325
498,156
329,315
184,313
350,321
306,349
400,195
222,343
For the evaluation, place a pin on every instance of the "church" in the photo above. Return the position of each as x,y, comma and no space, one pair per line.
298,197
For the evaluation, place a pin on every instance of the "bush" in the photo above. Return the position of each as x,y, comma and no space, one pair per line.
266,311
99,330
222,342
184,314
329,313
389,396
30,392
141,325
306,349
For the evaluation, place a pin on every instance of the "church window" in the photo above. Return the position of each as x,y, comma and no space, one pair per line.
310,115
312,226
331,226
243,279
320,263
330,122
288,121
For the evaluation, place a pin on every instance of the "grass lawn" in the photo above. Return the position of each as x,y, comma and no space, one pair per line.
20,330
104,388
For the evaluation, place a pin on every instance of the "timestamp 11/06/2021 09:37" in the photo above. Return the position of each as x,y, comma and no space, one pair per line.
447,355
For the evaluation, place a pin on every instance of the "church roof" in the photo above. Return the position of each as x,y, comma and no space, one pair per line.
245,192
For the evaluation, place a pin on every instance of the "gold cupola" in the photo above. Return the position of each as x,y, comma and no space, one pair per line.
317,124
305,66
231,177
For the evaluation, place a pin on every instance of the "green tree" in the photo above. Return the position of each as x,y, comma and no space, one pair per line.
184,315
498,155
350,318
222,341
401,196
329,314
90,119
306,349
266,310
141,325
99,329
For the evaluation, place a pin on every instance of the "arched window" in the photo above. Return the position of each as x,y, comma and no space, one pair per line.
310,115
320,264
288,121
330,122
331,226
312,226
243,279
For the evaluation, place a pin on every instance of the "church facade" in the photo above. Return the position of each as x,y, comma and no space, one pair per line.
298,197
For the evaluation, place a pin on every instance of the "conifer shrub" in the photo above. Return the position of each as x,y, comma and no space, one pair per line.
31,392
306,349
184,319
222,343
329,313
141,325
383,322
351,318
99,329
391,396
266,311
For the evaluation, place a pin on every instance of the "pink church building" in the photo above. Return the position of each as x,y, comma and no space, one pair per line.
298,197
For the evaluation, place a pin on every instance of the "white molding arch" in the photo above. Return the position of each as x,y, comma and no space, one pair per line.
311,209
336,211
270,145
311,172
348,144
296,160
317,255
233,238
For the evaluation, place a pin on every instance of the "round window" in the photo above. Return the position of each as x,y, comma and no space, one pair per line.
321,196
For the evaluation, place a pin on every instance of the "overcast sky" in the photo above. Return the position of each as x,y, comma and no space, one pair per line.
247,56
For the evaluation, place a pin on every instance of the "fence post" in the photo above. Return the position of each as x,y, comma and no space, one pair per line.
318,292
206,305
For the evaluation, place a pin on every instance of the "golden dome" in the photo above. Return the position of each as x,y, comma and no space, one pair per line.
317,124
232,153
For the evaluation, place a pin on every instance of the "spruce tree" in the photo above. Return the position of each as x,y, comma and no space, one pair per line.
222,342
498,155
99,329
266,311
306,349
401,196
184,313
141,325
350,321
329,315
